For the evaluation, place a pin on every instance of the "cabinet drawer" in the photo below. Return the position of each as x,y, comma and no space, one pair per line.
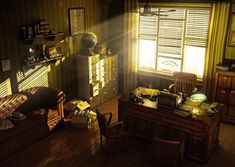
114,60
233,83
224,81
232,98
196,146
224,110
105,95
114,92
94,58
95,101
222,95
114,69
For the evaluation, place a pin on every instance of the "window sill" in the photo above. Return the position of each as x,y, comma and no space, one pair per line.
162,75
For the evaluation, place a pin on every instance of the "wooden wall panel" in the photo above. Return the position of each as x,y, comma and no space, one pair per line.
22,12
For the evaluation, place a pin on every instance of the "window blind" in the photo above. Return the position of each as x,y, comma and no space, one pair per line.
197,27
148,27
171,33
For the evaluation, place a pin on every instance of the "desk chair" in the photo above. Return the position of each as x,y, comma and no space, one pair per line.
184,83
167,152
112,131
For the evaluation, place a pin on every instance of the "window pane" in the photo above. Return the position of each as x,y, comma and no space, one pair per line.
168,64
194,60
147,53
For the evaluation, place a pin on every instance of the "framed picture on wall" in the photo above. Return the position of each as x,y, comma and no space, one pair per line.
76,20
6,65
231,38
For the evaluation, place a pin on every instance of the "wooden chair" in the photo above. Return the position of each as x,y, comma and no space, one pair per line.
184,83
110,130
167,152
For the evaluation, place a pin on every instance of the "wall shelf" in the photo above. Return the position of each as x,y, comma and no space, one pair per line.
42,61
49,37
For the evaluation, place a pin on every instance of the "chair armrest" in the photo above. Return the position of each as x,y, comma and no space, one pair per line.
108,116
171,88
115,128
195,89
119,123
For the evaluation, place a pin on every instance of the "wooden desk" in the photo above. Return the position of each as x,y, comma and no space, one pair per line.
145,120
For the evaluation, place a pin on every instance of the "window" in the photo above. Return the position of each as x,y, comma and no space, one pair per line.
176,42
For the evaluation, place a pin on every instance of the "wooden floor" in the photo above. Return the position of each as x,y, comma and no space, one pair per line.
80,148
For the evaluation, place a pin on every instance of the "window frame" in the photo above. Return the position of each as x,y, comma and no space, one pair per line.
187,6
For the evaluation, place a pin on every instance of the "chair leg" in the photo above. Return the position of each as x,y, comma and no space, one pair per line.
100,141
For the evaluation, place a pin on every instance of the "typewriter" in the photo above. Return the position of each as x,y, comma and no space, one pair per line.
169,100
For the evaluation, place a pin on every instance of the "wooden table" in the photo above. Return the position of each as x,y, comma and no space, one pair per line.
145,120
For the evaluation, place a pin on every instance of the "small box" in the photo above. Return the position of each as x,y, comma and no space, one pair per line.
80,122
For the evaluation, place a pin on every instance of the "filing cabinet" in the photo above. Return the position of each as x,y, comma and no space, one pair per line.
97,78
225,94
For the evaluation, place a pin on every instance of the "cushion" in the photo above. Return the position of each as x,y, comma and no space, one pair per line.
5,124
39,97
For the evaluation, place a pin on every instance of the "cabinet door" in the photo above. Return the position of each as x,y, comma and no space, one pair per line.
224,81
222,95
231,109
197,147
233,83
224,110
232,97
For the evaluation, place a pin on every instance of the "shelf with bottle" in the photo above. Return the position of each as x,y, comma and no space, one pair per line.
42,54
38,30
35,62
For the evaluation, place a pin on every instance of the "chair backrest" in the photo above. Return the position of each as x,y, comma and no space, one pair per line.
102,122
184,83
167,150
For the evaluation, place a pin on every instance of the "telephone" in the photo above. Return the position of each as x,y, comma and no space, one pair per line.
135,98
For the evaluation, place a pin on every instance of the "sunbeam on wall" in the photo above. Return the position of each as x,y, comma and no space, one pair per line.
5,88
33,77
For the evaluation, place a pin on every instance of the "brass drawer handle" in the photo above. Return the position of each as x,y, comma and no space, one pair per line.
223,91
225,78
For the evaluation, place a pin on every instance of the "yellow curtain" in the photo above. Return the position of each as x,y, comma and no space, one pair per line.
216,43
130,47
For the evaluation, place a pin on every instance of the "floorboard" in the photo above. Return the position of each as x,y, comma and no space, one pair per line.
70,147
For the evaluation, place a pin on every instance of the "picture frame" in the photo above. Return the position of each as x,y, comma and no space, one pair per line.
76,20
6,65
231,37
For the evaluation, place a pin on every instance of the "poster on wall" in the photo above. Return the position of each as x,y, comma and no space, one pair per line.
76,20
231,39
